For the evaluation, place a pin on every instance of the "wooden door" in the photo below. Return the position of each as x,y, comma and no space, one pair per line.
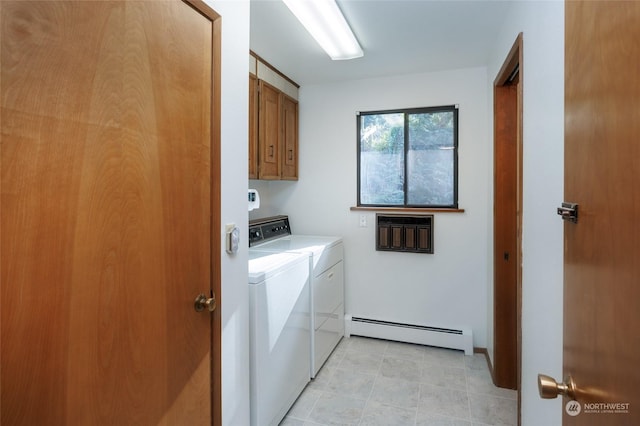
507,219
110,212
269,139
289,138
602,173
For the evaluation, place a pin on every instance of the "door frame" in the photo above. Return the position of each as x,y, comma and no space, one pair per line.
506,369
216,233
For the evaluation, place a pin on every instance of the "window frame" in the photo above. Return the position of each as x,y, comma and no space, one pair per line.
406,112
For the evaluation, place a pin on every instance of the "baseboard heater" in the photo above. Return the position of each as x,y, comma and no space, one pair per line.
461,339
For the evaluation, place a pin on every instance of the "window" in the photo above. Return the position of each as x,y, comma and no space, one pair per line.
408,158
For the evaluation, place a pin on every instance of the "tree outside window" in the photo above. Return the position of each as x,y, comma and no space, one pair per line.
408,158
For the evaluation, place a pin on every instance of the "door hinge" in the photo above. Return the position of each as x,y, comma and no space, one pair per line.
569,211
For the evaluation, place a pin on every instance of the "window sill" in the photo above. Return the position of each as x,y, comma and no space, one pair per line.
407,210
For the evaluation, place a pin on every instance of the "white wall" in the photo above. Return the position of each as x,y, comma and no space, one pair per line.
542,24
448,288
234,299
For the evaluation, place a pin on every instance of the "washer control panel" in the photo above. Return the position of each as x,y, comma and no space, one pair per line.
267,229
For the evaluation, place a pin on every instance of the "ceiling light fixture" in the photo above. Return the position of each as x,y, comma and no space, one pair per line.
325,22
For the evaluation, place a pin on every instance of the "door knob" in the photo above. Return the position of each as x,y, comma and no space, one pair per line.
549,388
203,302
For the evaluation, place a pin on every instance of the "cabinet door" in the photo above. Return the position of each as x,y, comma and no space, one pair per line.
290,138
253,127
269,132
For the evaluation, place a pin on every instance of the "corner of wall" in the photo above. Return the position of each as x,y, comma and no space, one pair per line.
234,171
542,25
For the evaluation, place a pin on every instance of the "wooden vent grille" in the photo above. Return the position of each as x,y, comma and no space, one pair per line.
413,234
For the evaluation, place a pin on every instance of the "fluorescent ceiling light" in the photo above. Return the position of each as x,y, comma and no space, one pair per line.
325,22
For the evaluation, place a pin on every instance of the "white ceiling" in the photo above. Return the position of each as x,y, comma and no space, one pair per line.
397,36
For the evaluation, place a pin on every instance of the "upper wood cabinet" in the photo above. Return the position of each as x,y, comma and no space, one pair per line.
253,126
273,127
289,121
269,132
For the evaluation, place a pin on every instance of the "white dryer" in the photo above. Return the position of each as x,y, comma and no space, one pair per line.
280,333
327,279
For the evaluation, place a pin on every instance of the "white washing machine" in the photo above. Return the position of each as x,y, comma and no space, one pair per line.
280,333
327,279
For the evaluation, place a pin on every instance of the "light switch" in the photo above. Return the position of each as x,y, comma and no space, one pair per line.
233,238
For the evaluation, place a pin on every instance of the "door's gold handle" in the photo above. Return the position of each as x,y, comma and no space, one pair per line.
549,388
203,302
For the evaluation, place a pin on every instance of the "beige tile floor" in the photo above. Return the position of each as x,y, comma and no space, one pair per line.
378,382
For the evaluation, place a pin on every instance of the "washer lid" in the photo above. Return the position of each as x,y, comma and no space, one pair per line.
264,264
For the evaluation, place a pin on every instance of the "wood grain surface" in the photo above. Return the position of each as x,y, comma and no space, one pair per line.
601,274
106,192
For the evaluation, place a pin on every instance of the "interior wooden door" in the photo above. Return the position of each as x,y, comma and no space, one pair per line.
110,206
507,219
602,250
